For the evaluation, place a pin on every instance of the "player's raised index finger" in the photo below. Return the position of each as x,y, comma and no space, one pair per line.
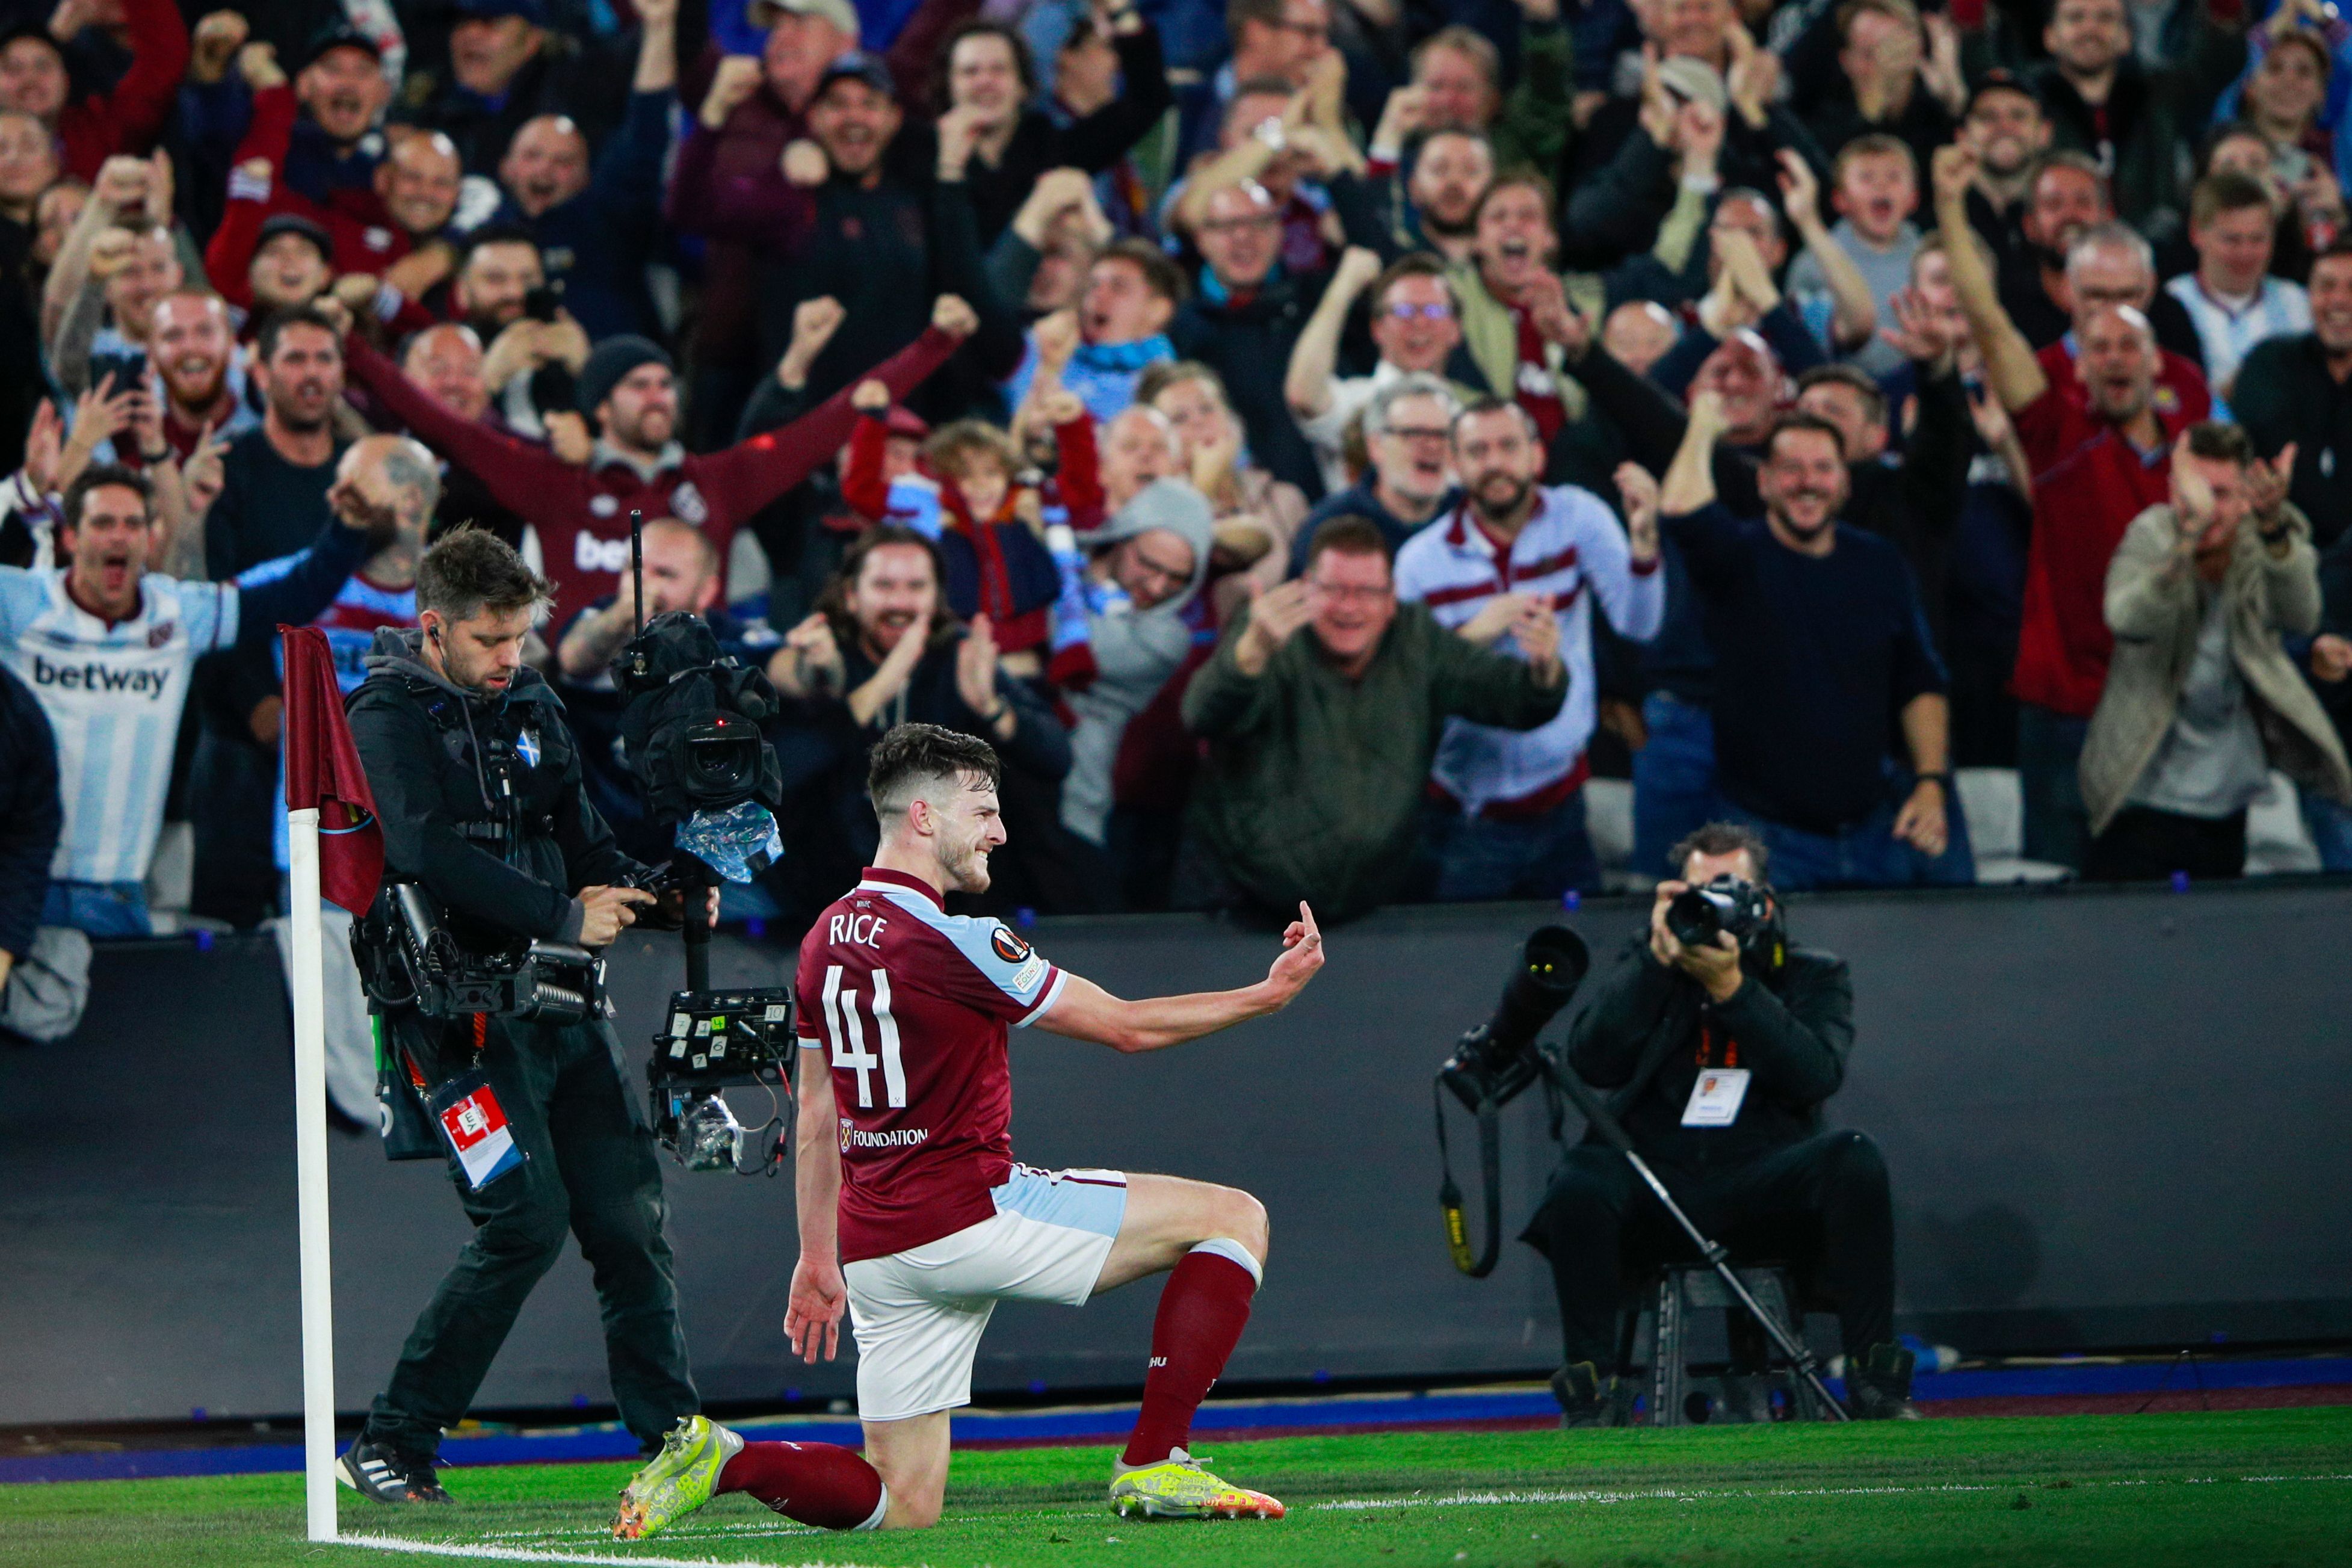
1307,918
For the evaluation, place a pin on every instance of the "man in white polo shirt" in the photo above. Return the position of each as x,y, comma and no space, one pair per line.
1511,820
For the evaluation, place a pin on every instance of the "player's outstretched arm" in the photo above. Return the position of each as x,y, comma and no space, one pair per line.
1088,1012
819,1297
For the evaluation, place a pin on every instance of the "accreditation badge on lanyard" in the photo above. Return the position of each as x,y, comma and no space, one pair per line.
474,1126
1715,1097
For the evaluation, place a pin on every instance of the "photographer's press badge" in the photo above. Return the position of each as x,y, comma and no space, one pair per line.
476,1127
1715,1097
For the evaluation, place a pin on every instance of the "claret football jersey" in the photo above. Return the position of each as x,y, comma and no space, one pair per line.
910,1008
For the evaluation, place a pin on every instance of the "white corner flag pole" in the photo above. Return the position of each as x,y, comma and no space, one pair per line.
310,1174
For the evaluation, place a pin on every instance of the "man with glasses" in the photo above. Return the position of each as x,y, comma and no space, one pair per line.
1246,314
1411,473
1415,326
1320,746
1510,822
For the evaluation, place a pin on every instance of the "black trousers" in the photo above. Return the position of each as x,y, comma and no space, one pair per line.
1822,1205
2145,845
590,1170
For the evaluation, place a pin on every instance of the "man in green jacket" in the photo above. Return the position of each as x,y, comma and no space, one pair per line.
1320,746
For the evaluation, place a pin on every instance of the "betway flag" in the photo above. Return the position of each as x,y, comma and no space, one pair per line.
322,770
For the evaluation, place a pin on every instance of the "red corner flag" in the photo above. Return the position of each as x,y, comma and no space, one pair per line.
322,770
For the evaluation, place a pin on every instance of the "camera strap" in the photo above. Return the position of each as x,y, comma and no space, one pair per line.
1479,1264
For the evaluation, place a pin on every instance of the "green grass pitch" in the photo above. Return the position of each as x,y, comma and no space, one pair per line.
2212,1491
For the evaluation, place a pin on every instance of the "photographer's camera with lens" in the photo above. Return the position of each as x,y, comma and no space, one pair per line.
1494,1063
1746,911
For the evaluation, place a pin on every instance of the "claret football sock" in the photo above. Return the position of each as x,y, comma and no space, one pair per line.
816,1483
1202,1312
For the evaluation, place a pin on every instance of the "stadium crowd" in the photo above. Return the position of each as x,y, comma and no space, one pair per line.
1309,440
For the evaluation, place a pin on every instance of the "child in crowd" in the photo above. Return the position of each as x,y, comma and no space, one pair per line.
1001,527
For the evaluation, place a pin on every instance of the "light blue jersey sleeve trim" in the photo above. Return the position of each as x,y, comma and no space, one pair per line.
1052,994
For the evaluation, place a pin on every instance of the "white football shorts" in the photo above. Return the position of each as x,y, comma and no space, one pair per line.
917,1314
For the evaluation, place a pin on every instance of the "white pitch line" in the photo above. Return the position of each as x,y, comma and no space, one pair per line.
1491,1500
522,1555
1454,1499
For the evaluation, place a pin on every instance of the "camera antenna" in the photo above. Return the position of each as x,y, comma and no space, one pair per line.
637,566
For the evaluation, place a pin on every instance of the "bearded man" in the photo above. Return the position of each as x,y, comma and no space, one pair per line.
1506,809
1823,656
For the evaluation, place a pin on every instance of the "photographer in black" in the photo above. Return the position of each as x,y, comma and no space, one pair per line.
1720,1054
478,784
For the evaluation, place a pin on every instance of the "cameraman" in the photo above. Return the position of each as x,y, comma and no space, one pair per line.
478,784
1763,1180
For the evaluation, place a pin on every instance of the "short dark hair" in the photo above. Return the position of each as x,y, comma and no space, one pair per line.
100,475
1788,422
280,322
1489,403
1840,372
1411,264
2069,158
1161,273
1722,838
1347,535
913,756
1264,13
491,234
471,570
2340,250
2225,190
2219,442
1901,11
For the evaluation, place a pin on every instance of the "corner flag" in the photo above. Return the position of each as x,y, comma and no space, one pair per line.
334,847
324,773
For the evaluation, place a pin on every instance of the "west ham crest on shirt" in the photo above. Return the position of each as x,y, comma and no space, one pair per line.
686,502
